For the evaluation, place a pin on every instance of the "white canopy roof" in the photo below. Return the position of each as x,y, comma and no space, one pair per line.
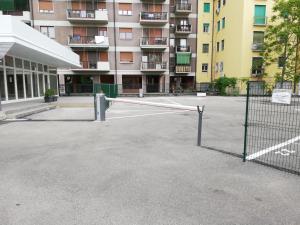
20,40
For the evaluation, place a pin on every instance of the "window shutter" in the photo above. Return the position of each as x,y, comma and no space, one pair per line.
126,56
125,6
46,5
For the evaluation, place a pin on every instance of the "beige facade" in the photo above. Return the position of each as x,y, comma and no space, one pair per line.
235,57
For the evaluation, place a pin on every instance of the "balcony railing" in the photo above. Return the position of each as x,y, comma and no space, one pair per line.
93,41
87,15
89,64
184,29
260,20
81,13
154,66
154,42
183,49
183,8
94,65
21,15
258,46
154,17
183,69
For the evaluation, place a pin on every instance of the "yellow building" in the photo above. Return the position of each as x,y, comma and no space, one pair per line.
230,40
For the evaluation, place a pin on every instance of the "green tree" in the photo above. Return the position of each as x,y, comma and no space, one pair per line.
282,39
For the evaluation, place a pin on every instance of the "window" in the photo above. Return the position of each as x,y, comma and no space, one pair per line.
206,27
224,2
260,15
206,7
223,45
281,61
126,57
48,31
219,25
218,46
125,9
219,4
221,67
257,66
125,33
204,67
103,31
46,6
205,48
223,23
217,67
258,40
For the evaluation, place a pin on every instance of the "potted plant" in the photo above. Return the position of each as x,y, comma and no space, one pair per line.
50,96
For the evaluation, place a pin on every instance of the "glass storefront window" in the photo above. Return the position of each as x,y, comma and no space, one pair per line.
20,84
19,63
1,62
46,82
33,66
28,85
40,67
35,85
9,61
10,82
2,87
26,65
53,83
41,84
45,68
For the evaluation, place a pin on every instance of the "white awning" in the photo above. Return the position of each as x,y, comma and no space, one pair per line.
20,40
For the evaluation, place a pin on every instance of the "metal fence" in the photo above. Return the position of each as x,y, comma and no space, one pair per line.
272,130
110,90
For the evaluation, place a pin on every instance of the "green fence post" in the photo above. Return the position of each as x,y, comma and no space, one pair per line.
246,123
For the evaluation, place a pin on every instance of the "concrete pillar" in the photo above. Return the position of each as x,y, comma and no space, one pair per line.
161,83
119,83
167,83
62,86
144,83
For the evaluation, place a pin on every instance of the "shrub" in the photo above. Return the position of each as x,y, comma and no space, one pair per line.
223,82
49,93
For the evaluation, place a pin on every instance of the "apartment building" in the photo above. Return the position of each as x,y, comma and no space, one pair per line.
230,39
137,44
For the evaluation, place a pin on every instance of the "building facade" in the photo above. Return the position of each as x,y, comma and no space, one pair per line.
137,44
29,61
230,40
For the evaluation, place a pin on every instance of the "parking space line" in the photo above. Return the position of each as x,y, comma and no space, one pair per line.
275,147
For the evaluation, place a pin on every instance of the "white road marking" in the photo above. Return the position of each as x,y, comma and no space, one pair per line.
16,120
149,114
171,101
285,152
267,150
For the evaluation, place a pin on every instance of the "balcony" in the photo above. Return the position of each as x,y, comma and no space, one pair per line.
21,15
77,41
83,16
183,29
154,67
260,21
159,43
183,69
257,47
94,66
153,18
183,49
183,8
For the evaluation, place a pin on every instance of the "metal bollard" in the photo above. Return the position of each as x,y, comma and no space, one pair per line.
100,107
200,112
